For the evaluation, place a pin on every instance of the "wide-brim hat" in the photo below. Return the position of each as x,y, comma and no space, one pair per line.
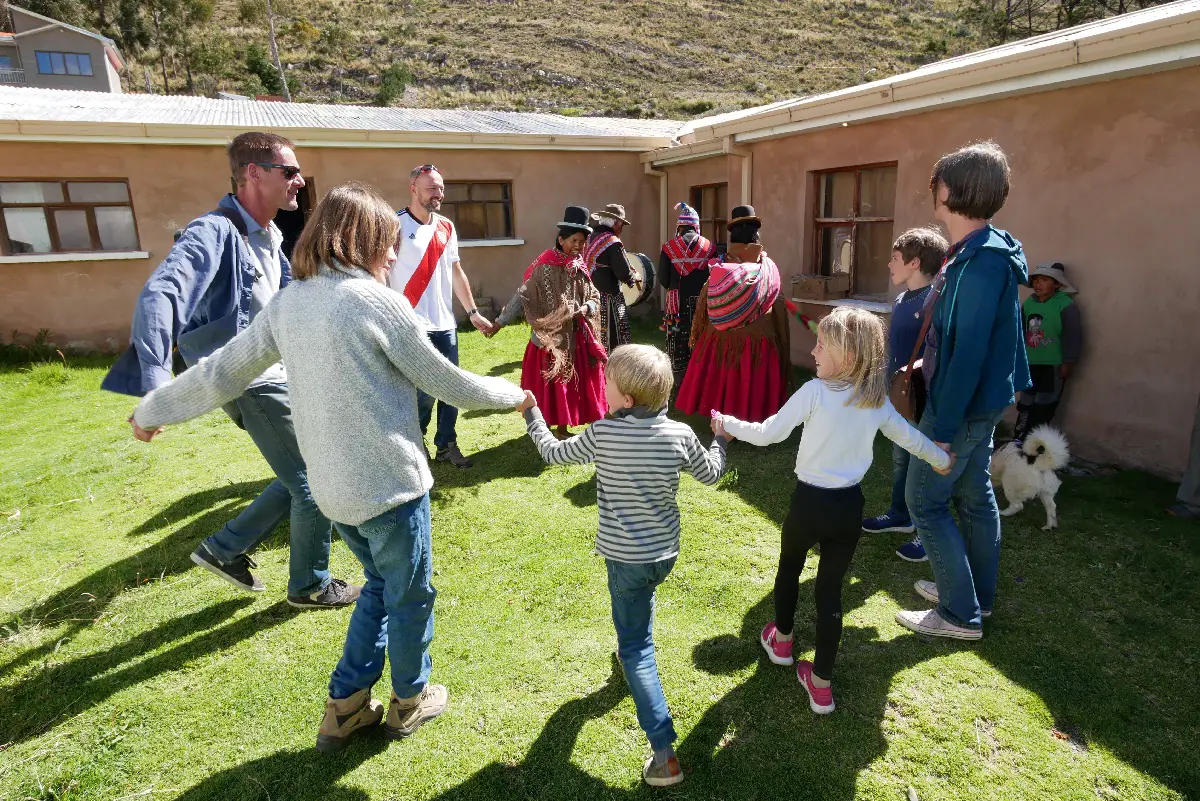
1056,271
613,211
576,217
743,214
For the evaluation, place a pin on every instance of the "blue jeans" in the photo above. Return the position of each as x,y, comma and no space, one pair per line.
631,588
394,613
266,414
446,343
900,460
966,557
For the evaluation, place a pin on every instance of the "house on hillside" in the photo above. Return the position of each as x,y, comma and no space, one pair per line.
43,52
1099,121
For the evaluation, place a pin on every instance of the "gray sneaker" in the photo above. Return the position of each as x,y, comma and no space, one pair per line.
662,774
929,591
336,593
450,453
931,624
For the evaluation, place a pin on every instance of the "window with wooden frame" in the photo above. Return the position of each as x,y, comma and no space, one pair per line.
66,216
710,202
480,210
853,220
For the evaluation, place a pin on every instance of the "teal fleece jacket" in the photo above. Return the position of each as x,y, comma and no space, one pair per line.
979,361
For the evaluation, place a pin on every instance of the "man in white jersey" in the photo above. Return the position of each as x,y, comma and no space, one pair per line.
427,271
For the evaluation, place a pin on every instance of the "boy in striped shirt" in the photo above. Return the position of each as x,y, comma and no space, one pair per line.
639,454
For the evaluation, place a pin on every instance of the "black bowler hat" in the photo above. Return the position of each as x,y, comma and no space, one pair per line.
743,214
576,217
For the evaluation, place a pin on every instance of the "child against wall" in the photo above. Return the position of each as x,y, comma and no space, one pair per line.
841,409
1053,340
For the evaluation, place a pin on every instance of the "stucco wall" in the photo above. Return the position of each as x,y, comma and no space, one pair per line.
1100,176
170,185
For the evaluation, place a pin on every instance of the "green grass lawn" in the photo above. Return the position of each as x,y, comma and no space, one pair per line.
127,673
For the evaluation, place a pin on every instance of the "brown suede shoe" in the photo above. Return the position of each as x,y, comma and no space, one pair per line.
344,717
405,715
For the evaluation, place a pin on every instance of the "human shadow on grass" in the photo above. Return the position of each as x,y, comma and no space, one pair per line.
1098,619
513,458
292,775
547,770
583,494
82,603
505,368
50,697
761,736
307,775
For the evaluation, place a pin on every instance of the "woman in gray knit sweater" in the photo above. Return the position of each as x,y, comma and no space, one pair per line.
356,355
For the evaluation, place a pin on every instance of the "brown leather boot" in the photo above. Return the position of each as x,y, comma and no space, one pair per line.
405,715
344,717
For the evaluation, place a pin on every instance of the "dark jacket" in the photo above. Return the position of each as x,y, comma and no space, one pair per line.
977,337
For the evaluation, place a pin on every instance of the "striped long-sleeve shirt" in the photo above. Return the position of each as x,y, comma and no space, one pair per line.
639,455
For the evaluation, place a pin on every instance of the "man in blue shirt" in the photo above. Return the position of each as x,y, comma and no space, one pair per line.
223,270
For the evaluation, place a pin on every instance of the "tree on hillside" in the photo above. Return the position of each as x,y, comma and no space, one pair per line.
184,18
72,12
287,95
999,21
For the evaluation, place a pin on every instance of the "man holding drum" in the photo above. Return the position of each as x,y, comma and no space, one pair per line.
605,258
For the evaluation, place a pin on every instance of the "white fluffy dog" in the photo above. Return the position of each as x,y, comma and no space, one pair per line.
1026,471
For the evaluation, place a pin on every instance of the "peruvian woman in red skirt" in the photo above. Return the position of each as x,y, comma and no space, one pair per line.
564,360
741,345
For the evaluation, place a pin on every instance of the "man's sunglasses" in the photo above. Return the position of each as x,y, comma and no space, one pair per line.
424,168
289,172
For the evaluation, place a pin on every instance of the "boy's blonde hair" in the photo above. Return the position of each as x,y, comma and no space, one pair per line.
352,225
642,372
856,336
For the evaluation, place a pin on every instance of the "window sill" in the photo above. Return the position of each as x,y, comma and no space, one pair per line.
112,255
857,303
489,243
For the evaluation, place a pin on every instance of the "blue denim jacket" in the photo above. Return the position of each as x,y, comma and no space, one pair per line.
198,298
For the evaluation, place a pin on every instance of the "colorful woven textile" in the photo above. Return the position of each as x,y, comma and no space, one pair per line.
738,294
597,244
684,257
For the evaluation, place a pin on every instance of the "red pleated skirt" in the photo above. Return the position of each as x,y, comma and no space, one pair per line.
571,403
749,386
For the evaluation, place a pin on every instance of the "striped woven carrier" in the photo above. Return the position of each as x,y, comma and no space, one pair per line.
738,294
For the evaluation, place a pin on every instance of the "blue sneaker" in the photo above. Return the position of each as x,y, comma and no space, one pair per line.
912,551
888,523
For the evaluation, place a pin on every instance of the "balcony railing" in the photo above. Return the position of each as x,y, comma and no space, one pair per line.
12,76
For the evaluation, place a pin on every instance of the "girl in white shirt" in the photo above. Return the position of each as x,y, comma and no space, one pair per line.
841,409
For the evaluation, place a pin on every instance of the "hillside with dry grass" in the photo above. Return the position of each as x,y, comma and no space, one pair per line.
654,58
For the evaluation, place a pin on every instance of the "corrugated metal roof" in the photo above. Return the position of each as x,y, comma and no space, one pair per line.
24,104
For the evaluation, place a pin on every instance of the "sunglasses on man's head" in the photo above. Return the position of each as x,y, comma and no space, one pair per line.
424,168
289,172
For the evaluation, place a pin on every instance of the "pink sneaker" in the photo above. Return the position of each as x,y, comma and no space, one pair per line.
778,652
820,699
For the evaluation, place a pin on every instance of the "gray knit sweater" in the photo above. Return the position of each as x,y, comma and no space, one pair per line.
355,354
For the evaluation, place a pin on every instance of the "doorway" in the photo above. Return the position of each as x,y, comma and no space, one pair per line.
291,223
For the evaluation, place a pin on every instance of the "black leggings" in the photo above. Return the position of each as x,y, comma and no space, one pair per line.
832,517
